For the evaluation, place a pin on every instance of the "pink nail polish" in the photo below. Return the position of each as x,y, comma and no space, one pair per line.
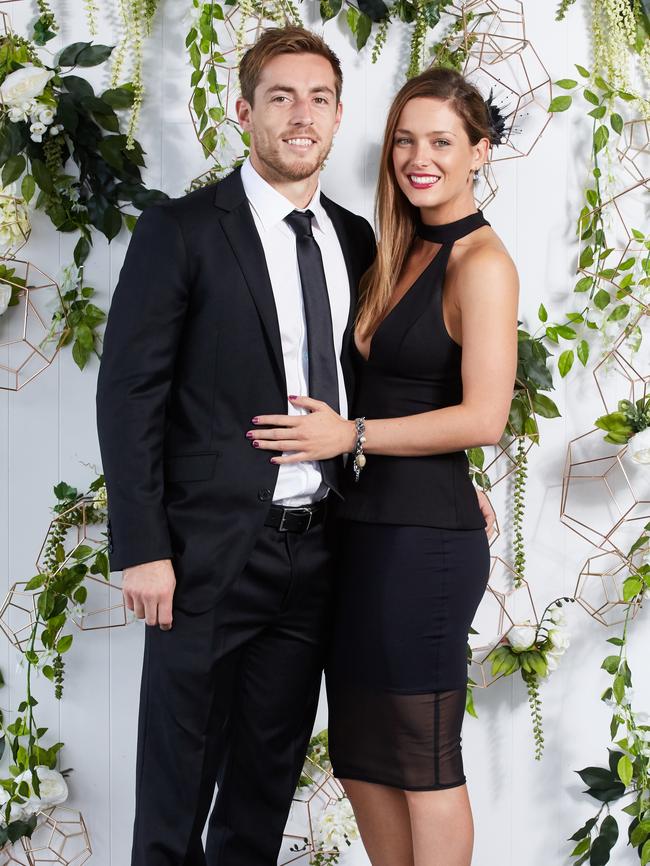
293,396
254,420
249,435
273,460
256,444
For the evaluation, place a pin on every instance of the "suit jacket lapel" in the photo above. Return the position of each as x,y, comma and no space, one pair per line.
239,228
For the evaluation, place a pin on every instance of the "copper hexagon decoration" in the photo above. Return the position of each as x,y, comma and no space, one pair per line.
29,339
61,838
624,372
605,494
302,839
599,589
507,603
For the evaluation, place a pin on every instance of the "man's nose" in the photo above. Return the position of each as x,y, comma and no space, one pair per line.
302,114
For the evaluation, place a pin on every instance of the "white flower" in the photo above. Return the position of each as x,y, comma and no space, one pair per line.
17,812
5,297
522,637
46,115
56,128
336,825
17,113
37,129
53,788
559,640
551,662
24,84
100,500
639,446
557,615
14,225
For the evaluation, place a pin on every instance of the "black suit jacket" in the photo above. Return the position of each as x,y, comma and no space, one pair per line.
192,352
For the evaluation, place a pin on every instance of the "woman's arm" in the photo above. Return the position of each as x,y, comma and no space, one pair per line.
488,300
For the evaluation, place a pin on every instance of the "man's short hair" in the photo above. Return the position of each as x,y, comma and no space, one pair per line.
284,40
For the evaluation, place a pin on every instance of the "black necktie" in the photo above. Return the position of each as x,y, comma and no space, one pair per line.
323,378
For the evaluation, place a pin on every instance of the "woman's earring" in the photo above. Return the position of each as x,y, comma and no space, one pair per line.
475,174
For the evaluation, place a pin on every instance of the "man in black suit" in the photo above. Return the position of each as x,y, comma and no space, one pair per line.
231,299
226,557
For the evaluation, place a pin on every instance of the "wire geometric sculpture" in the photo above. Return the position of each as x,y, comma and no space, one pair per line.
624,372
5,24
76,527
79,538
502,24
634,150
504,606
521,88
261,18
61,838
624,211
599,589
301,833
221,132
18,616
8,854
28,340
15,227
605,497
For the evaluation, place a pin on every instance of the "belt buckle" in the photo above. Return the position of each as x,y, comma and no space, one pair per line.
283,528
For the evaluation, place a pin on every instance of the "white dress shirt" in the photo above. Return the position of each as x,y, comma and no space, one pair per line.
298,483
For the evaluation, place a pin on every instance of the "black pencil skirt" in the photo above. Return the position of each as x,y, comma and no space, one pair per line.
397,666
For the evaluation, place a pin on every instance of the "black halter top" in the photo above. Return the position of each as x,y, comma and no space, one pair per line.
414,366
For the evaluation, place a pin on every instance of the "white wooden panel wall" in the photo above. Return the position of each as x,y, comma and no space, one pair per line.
524,810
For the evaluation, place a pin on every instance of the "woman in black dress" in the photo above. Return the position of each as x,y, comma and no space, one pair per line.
415,555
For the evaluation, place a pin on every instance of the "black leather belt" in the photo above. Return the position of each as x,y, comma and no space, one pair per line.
296,519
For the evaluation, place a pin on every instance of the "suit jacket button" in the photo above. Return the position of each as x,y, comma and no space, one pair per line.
264,494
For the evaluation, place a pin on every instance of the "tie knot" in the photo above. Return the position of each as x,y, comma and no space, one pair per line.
300,222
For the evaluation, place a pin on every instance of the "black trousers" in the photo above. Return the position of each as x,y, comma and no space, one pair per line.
228,698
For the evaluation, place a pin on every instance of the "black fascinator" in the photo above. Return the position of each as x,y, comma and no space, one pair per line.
496,121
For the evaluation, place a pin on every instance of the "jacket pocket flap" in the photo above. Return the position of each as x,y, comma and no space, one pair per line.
191,467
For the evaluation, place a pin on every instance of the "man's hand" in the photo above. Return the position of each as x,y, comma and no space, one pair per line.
488,513
148,591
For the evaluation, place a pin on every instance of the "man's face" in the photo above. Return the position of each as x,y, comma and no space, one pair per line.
294,116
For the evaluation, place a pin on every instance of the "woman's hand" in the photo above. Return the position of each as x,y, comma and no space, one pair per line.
488,513
321,434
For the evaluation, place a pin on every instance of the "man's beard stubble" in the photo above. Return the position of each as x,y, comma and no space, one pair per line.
280,169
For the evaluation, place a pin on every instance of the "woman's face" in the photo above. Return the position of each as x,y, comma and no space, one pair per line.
433,158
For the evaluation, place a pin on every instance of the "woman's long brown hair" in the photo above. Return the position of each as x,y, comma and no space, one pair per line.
394,214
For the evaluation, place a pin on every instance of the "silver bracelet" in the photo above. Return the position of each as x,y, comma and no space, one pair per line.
359,456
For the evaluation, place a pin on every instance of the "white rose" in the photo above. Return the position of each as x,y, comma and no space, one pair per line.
24,84
551,662
639,446
5,297
522,637
559,639
53,787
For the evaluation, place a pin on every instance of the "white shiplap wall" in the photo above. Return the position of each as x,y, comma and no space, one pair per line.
524,811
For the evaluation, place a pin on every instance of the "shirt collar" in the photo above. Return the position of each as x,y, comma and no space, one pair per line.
270,205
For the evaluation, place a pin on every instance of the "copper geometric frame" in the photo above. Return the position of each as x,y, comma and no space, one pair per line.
256,23
630,366
76,521
8,853
62,829
599,589
614,211
323,790
226,125
508,599
19,603
634,149
607,522
521,79
502,24
19,233
28,344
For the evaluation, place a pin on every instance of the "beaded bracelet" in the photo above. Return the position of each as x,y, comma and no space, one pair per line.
359,456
